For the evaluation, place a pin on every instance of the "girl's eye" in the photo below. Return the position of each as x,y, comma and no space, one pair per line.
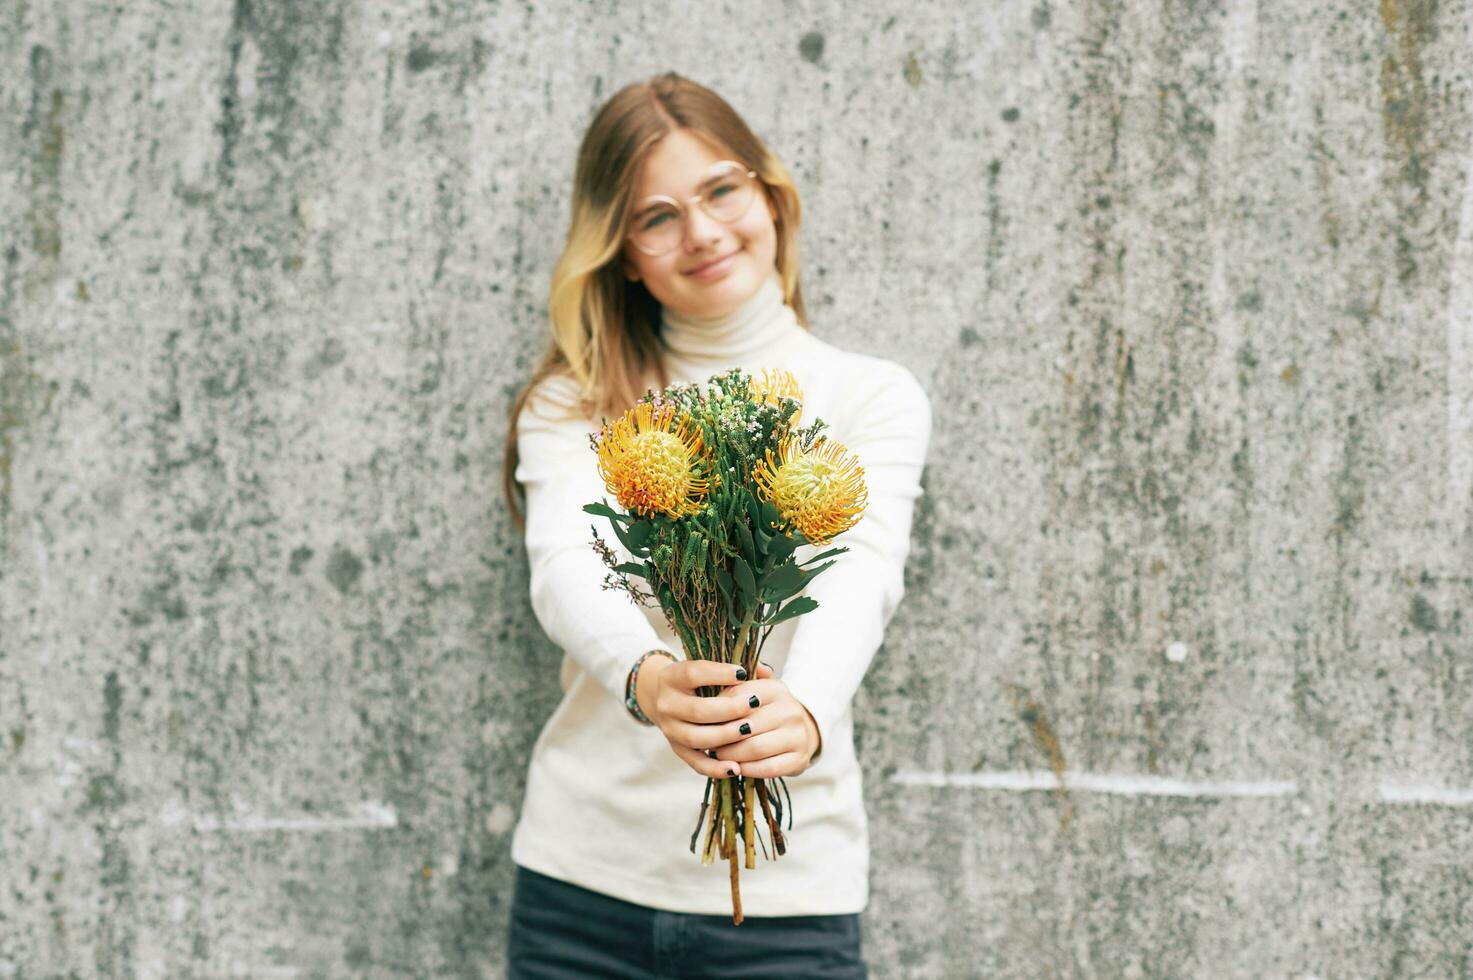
655,219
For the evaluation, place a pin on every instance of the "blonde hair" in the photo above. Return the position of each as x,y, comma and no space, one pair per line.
605,327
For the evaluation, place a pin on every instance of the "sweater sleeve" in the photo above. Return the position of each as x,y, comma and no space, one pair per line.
603,630
832,646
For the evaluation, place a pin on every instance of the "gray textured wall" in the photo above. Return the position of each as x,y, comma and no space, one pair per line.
1191,285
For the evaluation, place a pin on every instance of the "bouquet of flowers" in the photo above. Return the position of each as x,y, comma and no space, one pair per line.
718,489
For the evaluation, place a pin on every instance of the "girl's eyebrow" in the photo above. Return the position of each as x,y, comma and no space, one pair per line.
708,179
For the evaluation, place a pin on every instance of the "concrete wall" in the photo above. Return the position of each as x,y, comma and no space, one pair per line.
1191,285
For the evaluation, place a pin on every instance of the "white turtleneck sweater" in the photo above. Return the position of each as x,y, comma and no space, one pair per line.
608,805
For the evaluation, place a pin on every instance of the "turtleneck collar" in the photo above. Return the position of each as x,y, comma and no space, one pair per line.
757,328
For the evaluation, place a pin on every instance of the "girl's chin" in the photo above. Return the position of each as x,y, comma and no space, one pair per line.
720,296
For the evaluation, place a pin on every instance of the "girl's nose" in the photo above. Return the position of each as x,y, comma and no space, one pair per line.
700,229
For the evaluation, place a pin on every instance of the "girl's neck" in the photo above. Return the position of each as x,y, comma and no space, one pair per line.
759,325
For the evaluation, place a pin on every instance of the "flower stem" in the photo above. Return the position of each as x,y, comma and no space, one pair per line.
708,853
701,820
749,820
744,631
728,820
774,827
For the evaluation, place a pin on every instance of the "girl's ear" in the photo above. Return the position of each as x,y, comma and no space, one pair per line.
630,272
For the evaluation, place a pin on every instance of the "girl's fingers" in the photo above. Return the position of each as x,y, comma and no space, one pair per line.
697,737
786,764
688,675
704,764
696,711
763,745
751,721
732,704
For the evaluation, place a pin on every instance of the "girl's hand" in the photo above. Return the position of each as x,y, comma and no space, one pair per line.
695,726
783,738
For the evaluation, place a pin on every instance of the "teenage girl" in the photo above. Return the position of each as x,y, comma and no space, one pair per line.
681,262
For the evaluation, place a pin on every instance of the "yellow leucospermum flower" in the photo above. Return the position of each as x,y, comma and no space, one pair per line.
820,492
647,458
773,386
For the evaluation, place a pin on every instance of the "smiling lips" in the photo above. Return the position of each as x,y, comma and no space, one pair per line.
715,265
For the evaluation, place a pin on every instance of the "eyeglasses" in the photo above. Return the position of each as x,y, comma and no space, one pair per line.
658,224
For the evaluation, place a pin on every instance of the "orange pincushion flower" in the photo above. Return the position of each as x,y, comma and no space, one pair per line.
774,385
820,492
647,459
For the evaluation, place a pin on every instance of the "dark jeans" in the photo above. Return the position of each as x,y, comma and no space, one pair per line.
559,931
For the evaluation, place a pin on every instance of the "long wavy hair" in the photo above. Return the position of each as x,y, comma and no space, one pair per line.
605,328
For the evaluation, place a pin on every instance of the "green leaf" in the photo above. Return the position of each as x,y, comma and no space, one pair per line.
624,539
782,547
764,540
762,533
604,510
826,554
782,582
723,582
770,515
797,607
814,571
744,538
746,582
639,536
631,568
740,503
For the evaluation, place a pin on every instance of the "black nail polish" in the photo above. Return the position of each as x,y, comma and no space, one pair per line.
710,753
731,772
752,701
746,729
741,673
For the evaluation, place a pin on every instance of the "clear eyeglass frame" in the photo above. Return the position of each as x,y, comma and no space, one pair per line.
698,200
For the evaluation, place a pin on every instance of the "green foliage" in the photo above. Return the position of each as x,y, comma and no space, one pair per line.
746,581
730,566
797,607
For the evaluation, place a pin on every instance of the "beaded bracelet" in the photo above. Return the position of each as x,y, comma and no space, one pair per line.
630,701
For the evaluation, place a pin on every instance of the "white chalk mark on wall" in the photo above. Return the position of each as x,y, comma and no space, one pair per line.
1460,367
1424,793
362,816
1120,784
1124,784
